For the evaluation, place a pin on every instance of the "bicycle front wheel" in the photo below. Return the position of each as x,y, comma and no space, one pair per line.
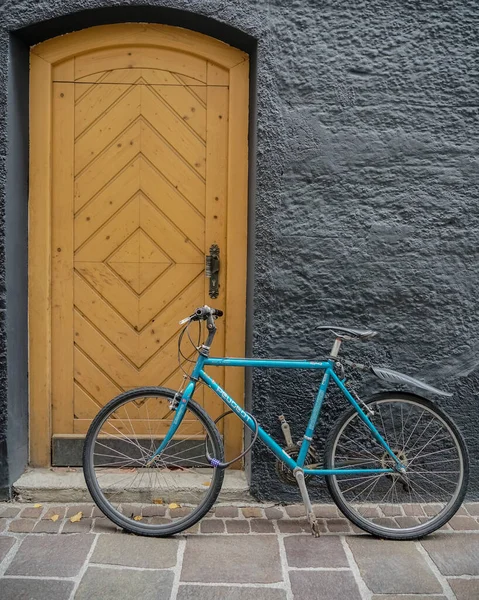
429,445
153,497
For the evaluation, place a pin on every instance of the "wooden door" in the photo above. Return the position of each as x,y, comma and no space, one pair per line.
138,166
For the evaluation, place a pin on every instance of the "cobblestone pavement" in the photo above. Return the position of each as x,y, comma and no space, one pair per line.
236,553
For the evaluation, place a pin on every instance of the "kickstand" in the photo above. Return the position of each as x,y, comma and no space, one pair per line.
313,522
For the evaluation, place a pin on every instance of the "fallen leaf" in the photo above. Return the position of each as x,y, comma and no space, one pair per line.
158,501
137,518
207,483
174,505
37,506
54,518
76,517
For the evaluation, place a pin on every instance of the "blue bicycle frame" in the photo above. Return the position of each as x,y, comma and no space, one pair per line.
329,373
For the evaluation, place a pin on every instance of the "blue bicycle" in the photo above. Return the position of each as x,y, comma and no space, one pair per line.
395,464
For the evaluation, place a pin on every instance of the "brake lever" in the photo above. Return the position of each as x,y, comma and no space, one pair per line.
183,321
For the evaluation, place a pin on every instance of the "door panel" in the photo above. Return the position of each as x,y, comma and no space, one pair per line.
140,190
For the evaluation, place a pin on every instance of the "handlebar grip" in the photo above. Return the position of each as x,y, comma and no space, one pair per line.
205,312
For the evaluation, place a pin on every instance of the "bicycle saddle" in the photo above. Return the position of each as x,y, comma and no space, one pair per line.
344,332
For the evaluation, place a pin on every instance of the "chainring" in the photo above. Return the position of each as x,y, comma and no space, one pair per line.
285,474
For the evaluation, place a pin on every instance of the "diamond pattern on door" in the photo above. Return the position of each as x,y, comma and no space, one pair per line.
139,230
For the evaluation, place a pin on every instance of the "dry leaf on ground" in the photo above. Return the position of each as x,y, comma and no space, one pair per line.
76,517
54,518
137,518
158,501
174,505
37,505
207,483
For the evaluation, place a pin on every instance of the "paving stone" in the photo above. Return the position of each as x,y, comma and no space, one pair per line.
9,512
104,525
273,513
295,510
405,522
160,520
86,509
131,509
212,526
81,526
391,510
135,551
413,510
117,584
461,510
459,523
390,567
432,509
31,513
232,559
325,510
97,512
35,589
261,526
193,529
47,526
22,525
252,512
407,597
387,522
237,526
229,512
370,511
471,507
338,525
295,526
51,556
6,543
55,510
153,510
465,589
302,551
3,524
454,554
324,585
176,513
221,592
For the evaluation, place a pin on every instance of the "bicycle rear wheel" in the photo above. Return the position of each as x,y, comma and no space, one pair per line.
425,439
168,494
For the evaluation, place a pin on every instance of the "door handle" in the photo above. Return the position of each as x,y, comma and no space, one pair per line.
212,270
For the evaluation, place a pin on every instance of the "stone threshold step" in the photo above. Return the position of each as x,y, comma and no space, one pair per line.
68,485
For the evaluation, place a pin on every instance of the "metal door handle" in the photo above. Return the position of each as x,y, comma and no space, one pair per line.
212,270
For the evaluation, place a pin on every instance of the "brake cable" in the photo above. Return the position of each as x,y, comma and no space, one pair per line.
223,465
213,461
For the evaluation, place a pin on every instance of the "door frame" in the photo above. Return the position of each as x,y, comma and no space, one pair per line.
43,58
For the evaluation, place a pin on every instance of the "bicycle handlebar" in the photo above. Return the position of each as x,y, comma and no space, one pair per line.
203,314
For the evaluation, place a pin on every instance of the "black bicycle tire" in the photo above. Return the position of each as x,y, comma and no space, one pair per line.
163,530
372,528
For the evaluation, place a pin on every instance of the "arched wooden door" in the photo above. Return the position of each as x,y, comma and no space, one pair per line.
138,166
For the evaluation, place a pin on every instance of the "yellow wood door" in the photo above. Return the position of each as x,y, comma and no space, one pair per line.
147,145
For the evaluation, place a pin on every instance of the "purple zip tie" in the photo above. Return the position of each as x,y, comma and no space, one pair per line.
215,462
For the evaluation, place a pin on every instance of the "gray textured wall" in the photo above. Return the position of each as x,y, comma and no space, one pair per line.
366,207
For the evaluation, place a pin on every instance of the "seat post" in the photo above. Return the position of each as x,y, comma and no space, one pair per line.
336,346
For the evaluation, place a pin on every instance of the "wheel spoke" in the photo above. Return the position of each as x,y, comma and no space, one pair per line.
429,449
122,445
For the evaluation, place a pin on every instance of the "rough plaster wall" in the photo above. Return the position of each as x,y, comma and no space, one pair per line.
366,195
